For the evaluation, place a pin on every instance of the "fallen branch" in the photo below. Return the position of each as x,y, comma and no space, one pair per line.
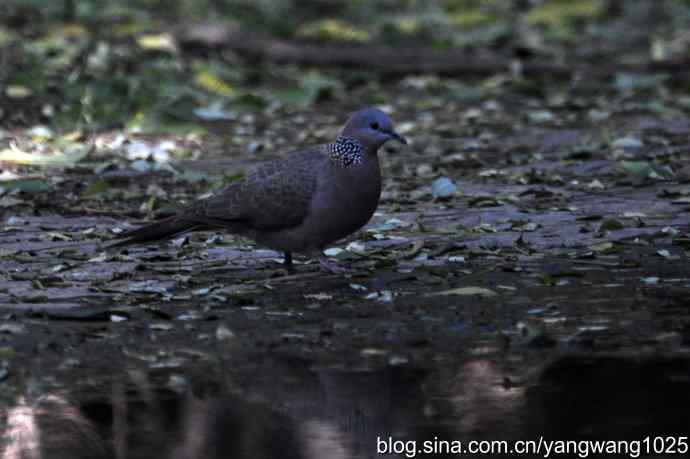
392,61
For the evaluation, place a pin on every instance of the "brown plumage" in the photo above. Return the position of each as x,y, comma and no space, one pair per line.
301,203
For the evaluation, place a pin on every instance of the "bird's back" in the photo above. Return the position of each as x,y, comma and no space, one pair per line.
276,195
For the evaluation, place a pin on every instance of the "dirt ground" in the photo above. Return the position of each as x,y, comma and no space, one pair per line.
559,251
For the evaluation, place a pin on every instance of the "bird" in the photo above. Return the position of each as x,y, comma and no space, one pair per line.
302,202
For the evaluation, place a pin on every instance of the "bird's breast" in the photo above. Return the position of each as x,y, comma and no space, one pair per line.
345,202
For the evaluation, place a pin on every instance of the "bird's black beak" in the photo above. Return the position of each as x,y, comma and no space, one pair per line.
398,137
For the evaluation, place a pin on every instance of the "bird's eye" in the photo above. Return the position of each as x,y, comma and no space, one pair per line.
374,126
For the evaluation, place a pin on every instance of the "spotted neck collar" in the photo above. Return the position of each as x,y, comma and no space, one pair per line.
346,151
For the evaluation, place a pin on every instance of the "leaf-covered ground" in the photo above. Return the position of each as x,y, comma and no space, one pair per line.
493,223
528,219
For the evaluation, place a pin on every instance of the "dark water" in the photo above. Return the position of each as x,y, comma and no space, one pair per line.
288,408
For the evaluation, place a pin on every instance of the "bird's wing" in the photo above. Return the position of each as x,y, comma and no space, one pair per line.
276,195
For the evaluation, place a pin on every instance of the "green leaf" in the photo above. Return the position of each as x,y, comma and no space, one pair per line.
97,188
334,29
26,185
611,224
548,279
636,167
60,159
251,101
644,169
313,86
213,83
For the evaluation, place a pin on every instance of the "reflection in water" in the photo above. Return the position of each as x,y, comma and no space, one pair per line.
22,430
611,398
289,410
52,427
480,400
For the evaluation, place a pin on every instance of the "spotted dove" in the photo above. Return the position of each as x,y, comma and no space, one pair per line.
301,203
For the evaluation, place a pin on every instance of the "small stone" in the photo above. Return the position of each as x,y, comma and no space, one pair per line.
359,287
333,251
141,165
223,333
100,258
255,147
443,188
541,116
595,185
70,362
191,315
178,383
669,230
14,221
42,132
490,173
179,242
598,115
424,170
397,360
357,247
385,296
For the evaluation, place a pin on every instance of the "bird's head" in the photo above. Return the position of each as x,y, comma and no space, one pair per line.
372,128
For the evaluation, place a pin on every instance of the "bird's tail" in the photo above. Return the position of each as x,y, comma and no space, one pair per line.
156,231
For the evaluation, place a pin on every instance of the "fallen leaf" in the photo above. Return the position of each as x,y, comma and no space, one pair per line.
8,201
26,185
16,91
611,224
466,291
158,42
627,142
214,112
318,296
59,159
602,247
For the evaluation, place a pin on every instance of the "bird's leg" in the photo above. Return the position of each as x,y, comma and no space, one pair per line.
332,267
286,267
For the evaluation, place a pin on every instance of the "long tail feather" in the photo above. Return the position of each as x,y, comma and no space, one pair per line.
162,229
